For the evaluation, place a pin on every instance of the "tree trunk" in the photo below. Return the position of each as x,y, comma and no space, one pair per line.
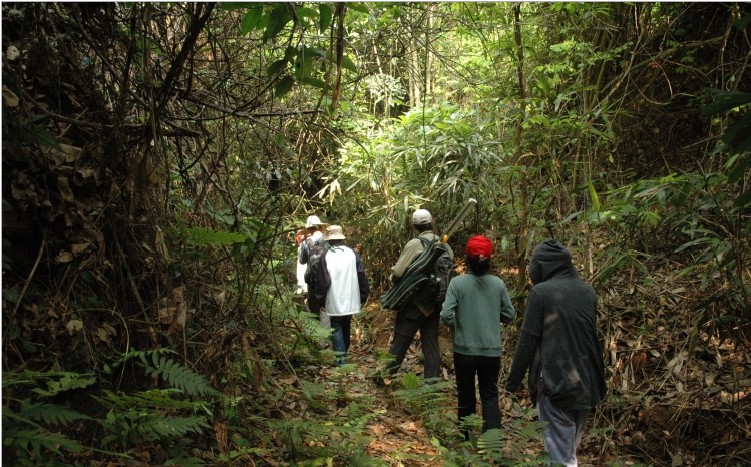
521,237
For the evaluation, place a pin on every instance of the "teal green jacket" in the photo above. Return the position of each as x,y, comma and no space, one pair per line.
474,309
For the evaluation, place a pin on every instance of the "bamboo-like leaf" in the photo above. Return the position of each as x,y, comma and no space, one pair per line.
595,197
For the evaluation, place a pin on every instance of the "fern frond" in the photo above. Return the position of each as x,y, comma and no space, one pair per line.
57,381
66,381
492,441
153,399
154,428
139,426
141,355
49,414
39,440
179,376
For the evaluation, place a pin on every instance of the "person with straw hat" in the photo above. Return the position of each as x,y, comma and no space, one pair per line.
341,288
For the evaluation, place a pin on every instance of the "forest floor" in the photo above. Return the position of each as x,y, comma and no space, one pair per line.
636,428
399,435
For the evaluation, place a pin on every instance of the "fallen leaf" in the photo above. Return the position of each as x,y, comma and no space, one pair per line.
73,326
78,248
10,99
64,257
12,53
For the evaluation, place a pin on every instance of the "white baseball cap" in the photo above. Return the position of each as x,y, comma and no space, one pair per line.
422,216
312,221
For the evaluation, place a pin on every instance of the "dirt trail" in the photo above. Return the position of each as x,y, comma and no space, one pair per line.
397,434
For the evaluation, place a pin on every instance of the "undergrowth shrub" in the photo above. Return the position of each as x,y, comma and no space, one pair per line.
46,414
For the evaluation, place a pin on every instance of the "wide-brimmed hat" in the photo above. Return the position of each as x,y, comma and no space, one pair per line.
334,232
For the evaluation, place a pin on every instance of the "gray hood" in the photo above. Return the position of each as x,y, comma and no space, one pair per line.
549,259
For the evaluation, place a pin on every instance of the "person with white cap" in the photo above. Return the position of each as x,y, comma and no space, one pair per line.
311,249
341,288
410,318
313,226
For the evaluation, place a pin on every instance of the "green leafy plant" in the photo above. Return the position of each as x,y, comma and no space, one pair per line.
33,427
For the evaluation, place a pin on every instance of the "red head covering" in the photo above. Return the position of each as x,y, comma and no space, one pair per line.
479,245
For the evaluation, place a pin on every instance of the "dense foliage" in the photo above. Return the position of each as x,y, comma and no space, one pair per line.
158,157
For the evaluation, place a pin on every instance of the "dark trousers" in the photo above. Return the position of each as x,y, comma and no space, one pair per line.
340,337
486,369
406,324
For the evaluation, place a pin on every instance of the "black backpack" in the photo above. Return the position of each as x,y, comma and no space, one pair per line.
432,293
316,249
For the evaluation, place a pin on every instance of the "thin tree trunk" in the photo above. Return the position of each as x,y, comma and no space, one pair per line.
521,237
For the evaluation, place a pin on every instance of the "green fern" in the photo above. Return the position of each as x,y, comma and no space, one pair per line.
177,375
57,381
138,426
48,414
491,444
152,399
38,441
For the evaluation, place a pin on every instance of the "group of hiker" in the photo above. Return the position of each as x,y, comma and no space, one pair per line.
558,347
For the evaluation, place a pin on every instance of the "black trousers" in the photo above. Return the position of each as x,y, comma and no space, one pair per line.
406,324
486,370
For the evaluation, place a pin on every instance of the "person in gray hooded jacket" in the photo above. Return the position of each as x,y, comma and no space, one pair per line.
560,347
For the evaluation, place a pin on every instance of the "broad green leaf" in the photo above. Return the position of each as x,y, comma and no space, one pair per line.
290,53
42,137
612,268
742,22
315,82
312,51
279,18
303,67
726,101
284,86
738,136
324,17
276,67
228,6
740,168
305,12
252,20
348,64
743,200
361,7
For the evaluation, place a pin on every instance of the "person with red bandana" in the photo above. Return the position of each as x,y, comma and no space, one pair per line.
477,303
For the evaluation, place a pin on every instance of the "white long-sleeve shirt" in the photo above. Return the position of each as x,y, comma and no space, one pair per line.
343,297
